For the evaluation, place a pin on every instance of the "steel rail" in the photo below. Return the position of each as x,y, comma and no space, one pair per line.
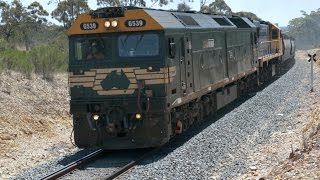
74,165
131,164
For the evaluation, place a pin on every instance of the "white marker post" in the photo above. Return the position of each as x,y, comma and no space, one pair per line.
312,58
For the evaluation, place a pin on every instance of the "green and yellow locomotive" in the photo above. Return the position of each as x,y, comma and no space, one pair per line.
139,76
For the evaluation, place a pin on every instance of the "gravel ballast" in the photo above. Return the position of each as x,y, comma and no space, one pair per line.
222,150
230,146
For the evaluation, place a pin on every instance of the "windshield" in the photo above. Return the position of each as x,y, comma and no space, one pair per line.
138,45
97,48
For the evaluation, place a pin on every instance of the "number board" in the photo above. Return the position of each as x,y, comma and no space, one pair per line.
89,26
135,23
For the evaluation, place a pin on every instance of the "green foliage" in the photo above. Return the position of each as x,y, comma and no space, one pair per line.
221,7
10,17
47,60
107,3
67,11
305,29
248,15
217,7
13,59
3,45
19,22
141,3
44,60
183,7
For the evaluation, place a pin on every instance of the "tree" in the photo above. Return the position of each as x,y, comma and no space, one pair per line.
202,5
106,3
220,6
305,29
183,7
20,21
142,3
217,7
11,16
67,11
33,21
248,15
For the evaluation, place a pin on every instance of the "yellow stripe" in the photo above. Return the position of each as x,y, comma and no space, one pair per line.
81,79
151,76
140,71
133,86
101,76
158,81
130,75
86,73
99,87
162,70
87,84
133,80
115,92
144,71
109,70
97,82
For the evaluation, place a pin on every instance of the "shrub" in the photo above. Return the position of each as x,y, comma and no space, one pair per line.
44,60
13,59
47,60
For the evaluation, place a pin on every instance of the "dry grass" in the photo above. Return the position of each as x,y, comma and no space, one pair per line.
296,153
304,163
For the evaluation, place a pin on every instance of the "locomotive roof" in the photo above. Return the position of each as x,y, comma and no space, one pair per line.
176,19
155,20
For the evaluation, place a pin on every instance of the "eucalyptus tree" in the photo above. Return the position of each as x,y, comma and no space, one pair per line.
19,22
248,15
183,7
67,11
202,4
11,16
33,22
217,6
139,3
306,29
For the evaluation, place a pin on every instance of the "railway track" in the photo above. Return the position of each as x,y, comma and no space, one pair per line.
74,165
164,150
131,164
85,161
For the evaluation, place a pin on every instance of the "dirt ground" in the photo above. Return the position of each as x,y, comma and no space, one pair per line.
35,126
299,153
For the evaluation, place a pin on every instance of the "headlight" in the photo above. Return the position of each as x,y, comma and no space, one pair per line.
114,23
107,24
95,117
138,116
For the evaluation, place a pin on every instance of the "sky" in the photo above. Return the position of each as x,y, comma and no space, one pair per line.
275,11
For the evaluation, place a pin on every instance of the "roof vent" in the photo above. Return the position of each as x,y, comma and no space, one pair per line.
187,20
222,21
239,22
